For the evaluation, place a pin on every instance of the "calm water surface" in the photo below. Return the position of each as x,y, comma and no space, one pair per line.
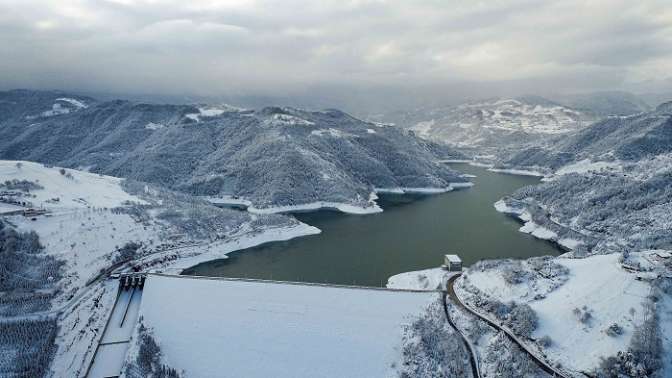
413,232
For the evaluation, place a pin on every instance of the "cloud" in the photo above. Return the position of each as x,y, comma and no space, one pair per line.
270,47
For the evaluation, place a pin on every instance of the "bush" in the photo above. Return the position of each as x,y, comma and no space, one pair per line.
22,185
127,253
545,341
614,330
523,320
583,315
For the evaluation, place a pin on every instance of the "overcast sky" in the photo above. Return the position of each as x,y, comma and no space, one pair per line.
277,47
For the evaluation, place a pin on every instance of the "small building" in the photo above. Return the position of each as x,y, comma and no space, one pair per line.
452,263
663,254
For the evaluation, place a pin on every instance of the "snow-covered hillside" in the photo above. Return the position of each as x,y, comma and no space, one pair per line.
67,188
274,158
62,231
497,123
582,310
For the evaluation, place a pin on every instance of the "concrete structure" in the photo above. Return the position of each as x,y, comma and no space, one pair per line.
452,263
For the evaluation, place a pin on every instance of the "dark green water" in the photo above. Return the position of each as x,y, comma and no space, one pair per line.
413,232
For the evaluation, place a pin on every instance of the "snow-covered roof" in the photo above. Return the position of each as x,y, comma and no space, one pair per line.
664,254
453,258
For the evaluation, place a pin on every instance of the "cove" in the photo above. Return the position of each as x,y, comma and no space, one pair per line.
412,233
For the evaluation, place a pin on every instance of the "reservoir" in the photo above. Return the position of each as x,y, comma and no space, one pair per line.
412,233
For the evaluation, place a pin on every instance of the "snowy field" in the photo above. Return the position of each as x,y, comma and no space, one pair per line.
219,328
72,188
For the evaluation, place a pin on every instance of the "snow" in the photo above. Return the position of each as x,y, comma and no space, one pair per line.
190,256
76,229
448,161
7,208
598,282
424,128
538,231
123,317
585,166
371,207
79,328
86,239
111,357
347,208
83,234
569,243
111,353
56,109
427,279
255,329
331,132
74,102
193,116
519,172
532,228
610,292
406,190
154,126
82,190
286,119
211,111
223,199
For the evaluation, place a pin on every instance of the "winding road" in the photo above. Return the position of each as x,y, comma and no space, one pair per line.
450,292
473,357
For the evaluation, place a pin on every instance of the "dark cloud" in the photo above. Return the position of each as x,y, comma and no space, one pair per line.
269,48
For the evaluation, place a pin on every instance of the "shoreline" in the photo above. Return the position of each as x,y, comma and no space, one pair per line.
531,228
342,207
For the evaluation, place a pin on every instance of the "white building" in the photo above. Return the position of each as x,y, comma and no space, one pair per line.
453,263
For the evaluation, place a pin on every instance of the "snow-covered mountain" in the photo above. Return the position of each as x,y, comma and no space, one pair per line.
272,157
629,138
609,185
494,123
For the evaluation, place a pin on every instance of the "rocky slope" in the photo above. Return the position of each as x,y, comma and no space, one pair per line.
271,157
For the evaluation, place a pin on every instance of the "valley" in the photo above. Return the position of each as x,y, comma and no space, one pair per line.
327,200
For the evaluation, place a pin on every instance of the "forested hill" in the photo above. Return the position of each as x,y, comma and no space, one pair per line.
611,182
628,138
271,157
